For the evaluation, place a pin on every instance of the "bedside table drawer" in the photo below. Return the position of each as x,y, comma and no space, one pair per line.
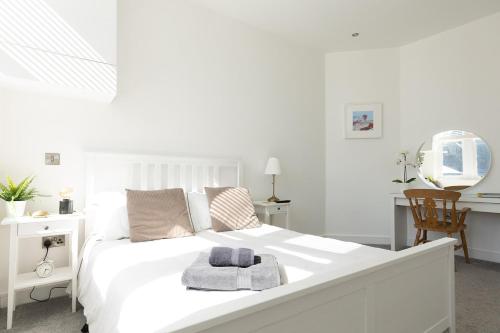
44,228
278,210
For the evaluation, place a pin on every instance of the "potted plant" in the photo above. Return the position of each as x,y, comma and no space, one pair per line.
16,196
405,161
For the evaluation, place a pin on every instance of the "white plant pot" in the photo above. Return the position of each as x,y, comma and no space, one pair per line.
15,208
404,187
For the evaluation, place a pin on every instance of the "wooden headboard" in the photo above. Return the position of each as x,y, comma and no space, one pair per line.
110,172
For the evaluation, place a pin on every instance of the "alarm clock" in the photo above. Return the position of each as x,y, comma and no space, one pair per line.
44,268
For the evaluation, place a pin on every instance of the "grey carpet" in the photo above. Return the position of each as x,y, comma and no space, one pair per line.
477,310
477,296
54,316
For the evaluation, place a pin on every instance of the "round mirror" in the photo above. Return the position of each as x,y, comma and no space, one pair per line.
454,160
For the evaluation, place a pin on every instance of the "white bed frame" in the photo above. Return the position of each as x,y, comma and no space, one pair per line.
413,292
108,172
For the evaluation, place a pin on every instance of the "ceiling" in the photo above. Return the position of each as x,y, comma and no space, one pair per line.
328,25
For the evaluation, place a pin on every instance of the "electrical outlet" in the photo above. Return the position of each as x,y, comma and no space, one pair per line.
52,159
58,240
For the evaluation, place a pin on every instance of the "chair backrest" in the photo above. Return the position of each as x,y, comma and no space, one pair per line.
425,205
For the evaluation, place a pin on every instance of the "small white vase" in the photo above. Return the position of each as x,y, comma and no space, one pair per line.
15,208
404,187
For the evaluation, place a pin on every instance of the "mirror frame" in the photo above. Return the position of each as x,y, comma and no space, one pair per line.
433,186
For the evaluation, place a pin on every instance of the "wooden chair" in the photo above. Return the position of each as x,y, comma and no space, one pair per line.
429,216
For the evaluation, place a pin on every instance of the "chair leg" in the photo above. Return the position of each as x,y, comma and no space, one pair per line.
417,237
464,245
424,238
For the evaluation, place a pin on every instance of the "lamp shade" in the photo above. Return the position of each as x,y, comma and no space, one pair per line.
273,166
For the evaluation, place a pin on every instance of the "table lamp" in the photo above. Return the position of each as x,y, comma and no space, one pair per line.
273,168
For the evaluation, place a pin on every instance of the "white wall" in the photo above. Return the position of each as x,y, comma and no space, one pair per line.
451,81
447,81
359,171
190,82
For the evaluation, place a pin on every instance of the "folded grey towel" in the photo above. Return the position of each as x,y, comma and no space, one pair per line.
202,275
226,256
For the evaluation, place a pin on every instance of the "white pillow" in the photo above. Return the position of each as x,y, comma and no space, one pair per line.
108,212
198,209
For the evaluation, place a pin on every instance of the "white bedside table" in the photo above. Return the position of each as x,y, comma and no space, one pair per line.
265,210
29,227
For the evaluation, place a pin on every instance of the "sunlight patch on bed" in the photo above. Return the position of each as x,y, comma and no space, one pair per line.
164,306
323,244
112,261
300,255
294,274
226,235
260,231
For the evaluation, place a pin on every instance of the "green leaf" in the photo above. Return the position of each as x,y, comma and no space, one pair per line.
22,187
3,188
30,194
411,180
399,181
11,184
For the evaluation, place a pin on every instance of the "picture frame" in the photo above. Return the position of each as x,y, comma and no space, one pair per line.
363,121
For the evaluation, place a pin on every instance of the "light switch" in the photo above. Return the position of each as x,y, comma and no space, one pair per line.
52,159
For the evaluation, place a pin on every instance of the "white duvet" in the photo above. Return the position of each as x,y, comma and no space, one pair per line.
136,287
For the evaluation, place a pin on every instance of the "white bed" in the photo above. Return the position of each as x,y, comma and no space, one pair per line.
331,285
136,287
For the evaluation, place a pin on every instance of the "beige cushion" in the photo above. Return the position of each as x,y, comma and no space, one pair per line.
231,208
157,214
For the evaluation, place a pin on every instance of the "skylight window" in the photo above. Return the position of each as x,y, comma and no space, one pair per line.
51,51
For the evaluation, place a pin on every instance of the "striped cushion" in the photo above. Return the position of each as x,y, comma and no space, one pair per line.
231,208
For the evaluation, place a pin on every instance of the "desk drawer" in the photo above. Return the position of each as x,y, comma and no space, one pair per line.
278,210
44,228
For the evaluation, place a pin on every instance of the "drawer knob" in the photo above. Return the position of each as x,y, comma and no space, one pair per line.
279,208
46,227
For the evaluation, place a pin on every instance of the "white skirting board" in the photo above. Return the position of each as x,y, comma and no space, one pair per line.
361,239
3,299
475,253
481,254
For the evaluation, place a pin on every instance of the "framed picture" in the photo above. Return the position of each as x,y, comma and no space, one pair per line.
363,121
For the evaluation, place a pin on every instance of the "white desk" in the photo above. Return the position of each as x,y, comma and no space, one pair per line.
399,205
